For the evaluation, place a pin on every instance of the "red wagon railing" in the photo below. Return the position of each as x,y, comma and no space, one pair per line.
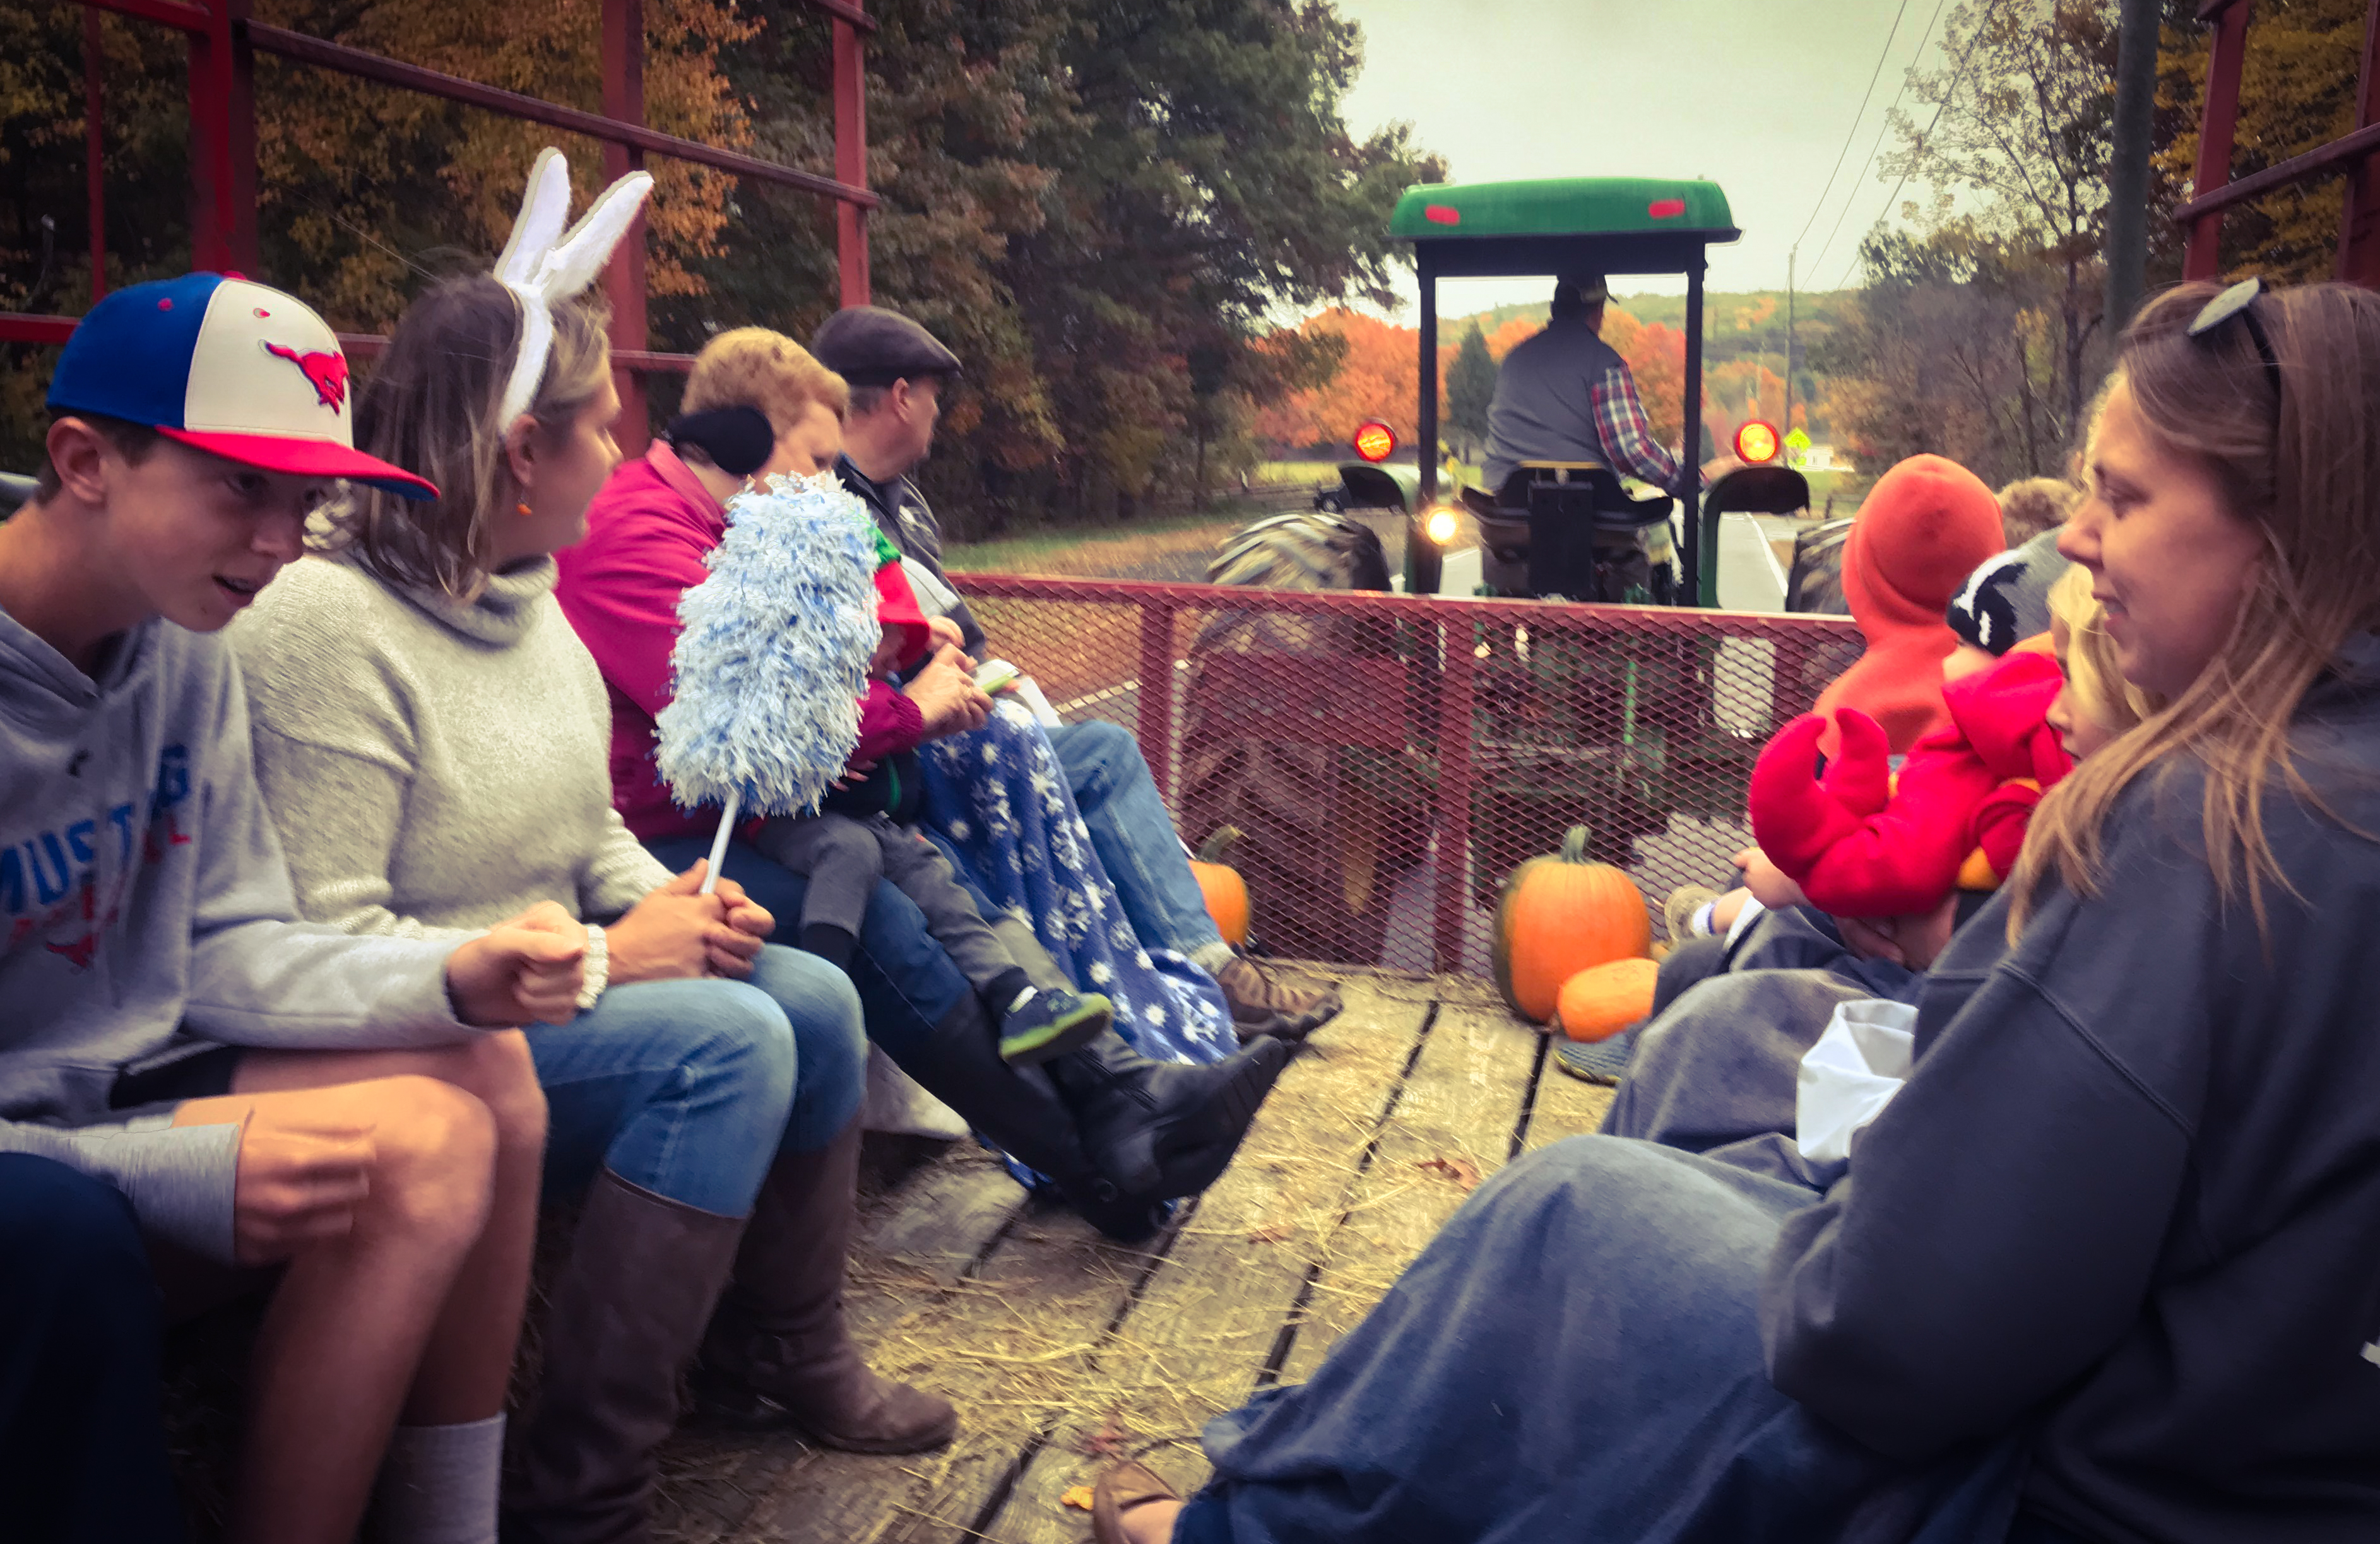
224,42
2214,191
1387,759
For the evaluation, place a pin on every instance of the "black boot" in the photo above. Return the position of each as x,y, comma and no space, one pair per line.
1160,1129
1018,1110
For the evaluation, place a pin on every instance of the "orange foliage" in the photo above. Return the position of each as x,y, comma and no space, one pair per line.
1741,389
1656,357
1517,330
1379,378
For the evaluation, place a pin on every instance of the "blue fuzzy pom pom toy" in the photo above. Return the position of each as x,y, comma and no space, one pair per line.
772,654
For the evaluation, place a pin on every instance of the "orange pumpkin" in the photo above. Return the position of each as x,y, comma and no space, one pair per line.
1219,884
1602,1000
1561,915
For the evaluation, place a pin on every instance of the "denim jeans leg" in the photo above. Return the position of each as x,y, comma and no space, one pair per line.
682,1087
830,1045
906,983
1133,836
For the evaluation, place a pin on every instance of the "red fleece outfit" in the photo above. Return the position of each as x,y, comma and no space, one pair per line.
1925,527
1862,843
648,533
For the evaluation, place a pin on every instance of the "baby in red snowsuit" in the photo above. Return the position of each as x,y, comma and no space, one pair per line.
1864,842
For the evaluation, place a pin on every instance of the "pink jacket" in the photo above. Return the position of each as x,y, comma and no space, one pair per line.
648,533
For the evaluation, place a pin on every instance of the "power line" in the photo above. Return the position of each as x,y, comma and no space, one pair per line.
1955,71
1853,133
1851,197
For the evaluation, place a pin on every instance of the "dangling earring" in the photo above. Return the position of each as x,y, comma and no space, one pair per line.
523,509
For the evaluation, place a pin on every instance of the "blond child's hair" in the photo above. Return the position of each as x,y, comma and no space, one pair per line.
754,367
2032,505
2103,693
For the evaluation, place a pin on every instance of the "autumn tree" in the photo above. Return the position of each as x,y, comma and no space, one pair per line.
1376,376
2021,121
1953,350
2297,92
1471,387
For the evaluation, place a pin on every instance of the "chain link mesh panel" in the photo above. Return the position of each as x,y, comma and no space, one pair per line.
1387,760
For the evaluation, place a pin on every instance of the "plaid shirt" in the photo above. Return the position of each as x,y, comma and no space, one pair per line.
1627,437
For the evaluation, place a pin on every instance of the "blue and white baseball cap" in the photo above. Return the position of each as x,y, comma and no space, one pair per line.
228,367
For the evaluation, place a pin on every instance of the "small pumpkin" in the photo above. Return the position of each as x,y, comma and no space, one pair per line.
1602,1000
1558,915
1221,887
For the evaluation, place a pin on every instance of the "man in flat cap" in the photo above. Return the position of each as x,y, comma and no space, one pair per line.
898,371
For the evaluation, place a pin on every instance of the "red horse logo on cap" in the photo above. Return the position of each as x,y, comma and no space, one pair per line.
327,373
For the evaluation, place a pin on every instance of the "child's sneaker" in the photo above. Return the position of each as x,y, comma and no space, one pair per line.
1042,1024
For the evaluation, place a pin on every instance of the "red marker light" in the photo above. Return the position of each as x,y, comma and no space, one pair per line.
1666,209
1756,443
1375,440
1442,214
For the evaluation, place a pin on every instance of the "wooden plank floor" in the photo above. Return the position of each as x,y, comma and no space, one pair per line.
1063,1350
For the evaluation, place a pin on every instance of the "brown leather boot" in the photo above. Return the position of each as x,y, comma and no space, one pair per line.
627,1310
778,1353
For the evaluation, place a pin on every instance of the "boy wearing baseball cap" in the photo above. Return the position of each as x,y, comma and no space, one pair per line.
262,1092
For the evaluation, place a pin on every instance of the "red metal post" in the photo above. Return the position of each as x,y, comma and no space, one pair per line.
2359,231
223,142
851,159
1454,729
1156,733
624,98
95,185
2216,124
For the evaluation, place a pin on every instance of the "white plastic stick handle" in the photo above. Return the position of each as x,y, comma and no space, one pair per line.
718,843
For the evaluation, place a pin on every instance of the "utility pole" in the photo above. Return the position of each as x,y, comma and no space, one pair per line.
1785,427
2128,163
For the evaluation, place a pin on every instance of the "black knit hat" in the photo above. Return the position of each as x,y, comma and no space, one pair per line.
2006,600
737,440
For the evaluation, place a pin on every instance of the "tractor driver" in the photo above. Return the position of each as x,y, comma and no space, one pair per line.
1566,395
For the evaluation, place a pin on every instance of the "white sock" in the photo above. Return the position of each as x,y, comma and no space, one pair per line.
438,1483
1021,999
1212,958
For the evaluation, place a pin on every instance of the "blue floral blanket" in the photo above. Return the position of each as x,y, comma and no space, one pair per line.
1000,798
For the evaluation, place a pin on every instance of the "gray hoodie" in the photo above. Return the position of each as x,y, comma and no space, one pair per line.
144,908
2131,1193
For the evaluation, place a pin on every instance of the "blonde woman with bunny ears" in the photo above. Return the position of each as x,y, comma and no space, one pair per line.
432,738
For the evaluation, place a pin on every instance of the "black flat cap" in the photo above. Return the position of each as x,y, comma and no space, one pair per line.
871,347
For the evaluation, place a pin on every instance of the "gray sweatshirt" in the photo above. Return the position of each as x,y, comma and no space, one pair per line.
144,905
435,765
2132,1192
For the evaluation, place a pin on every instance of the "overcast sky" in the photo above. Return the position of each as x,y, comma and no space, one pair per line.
1758,97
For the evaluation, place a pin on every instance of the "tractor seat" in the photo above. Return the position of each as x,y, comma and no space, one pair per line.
1580,489
1563,528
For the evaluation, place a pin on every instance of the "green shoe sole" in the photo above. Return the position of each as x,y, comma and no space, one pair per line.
1071,1030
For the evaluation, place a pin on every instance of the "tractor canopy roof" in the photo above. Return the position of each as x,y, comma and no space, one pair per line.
1551,225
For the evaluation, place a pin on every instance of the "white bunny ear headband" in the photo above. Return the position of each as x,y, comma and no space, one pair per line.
545,265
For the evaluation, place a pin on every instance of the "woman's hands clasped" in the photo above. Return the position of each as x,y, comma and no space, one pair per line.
676,932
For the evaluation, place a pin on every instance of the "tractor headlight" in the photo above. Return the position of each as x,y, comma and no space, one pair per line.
1440,525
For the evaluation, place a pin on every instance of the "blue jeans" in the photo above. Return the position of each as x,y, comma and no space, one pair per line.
906,983
689,1088
1577,1356
1133,836
82,1434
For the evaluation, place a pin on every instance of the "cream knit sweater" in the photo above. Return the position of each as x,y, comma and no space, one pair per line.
434,764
